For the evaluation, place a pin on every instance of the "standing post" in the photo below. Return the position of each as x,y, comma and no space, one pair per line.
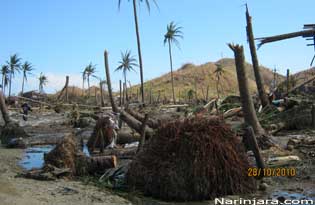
67,94
120,96
259,81
288,80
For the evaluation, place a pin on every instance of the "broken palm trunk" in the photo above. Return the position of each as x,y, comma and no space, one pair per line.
11,130
67,155
246,100
124,116
64,90
259,82
175,163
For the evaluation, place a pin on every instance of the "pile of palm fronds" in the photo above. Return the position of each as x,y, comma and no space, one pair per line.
193,159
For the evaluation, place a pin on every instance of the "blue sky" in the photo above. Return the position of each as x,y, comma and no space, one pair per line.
60,37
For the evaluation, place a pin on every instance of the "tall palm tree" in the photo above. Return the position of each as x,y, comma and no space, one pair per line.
5,77
89,71
14,65
172,34
126,64
138,37
218,72
43,80
26,68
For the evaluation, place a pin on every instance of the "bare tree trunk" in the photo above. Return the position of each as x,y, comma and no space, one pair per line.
259,81
246,99
22,86
109,83
120,94
124,93
139,47
65,88
288,80
143,125
4,110
171,63
102,95
67,94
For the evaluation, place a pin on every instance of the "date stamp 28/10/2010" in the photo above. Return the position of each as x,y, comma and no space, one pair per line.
271,172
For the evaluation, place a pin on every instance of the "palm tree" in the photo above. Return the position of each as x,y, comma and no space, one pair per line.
42,82
89,71
5,77
126,64
138,38
26,69
173,33
14,65
218,72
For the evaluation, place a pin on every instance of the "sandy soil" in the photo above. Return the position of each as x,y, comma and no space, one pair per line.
16,190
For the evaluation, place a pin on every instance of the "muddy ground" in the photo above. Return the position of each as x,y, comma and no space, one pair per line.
50,127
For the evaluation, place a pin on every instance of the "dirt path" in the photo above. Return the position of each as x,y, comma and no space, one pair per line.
15,190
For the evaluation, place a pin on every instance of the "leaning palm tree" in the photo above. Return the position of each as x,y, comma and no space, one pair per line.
5,77
26,68
42,82
14,65
218,72
138,38
89,71
126,64
173,33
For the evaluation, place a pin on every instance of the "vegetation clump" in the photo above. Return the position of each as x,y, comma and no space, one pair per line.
192,159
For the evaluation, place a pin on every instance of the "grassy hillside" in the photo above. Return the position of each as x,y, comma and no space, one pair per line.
204,76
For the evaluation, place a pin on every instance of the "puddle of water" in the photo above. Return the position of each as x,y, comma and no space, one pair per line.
288,195
34,157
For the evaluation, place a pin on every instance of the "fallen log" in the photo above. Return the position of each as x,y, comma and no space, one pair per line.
173,106
34,101
151,122
305,33
299,86
232,112
283,161
211,103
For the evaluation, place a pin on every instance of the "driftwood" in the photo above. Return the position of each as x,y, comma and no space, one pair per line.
232,112
283,161
121,153
305,33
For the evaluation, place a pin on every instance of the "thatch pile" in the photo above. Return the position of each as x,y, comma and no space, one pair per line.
63,156
193,159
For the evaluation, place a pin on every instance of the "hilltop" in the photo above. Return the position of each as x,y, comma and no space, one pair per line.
189,75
